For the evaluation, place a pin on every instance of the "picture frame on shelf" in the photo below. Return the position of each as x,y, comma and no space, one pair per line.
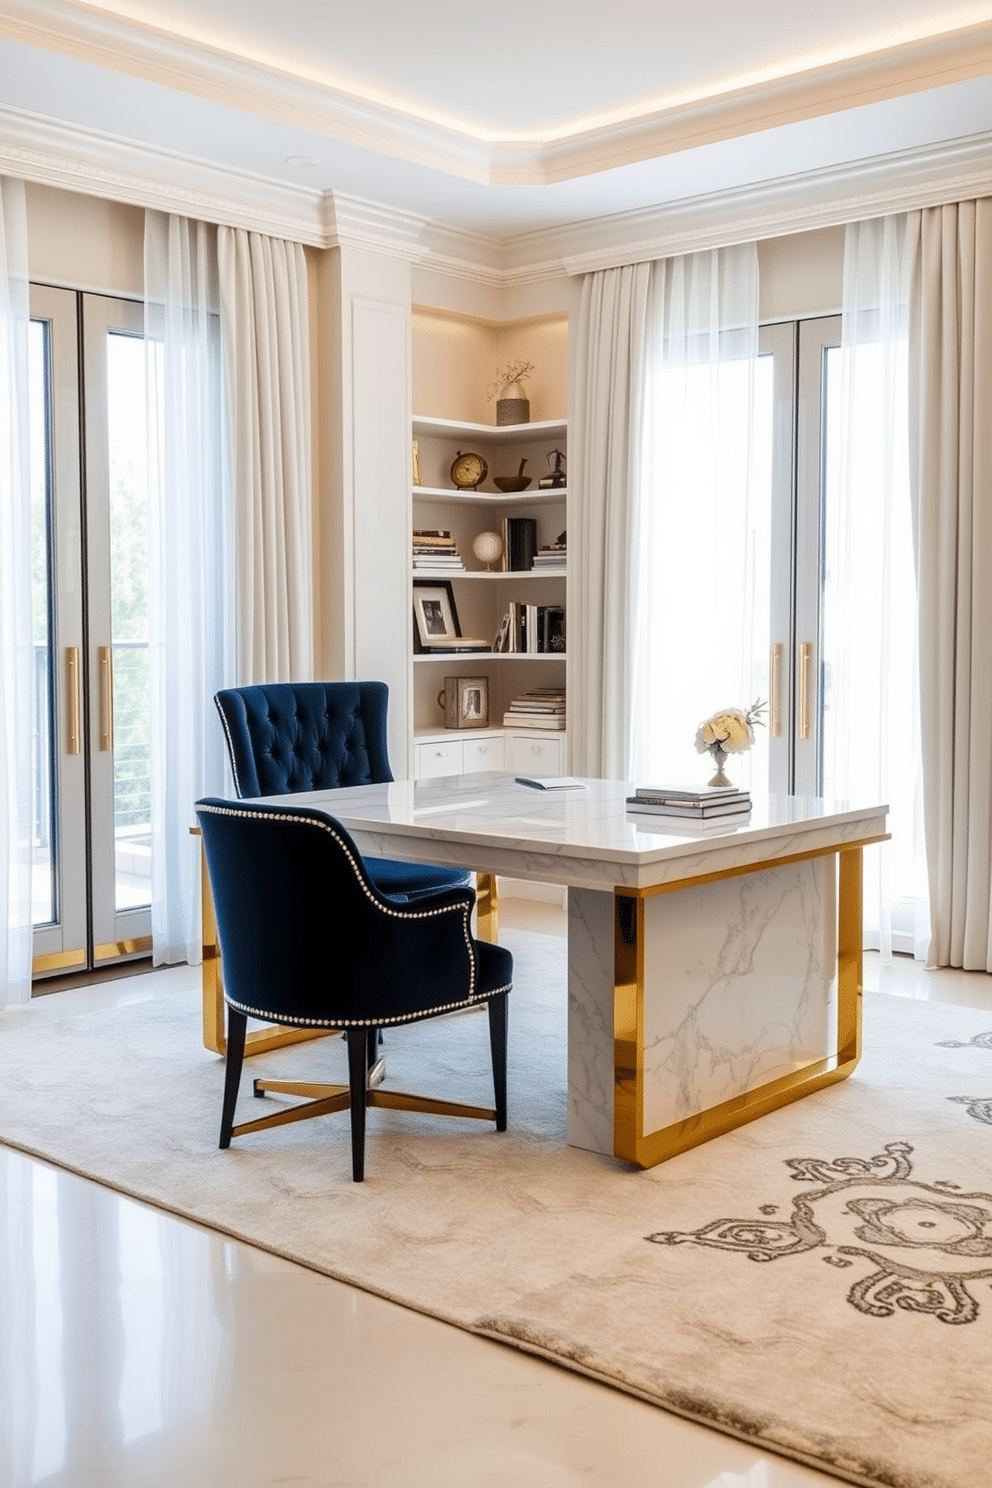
465,701
435,616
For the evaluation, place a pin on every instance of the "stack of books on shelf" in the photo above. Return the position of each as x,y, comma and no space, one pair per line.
531,629
519,542
551,557
435,548
541,708
703,804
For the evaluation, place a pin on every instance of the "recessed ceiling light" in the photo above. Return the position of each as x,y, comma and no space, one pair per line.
306,160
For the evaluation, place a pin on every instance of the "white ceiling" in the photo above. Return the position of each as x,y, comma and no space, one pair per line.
508,117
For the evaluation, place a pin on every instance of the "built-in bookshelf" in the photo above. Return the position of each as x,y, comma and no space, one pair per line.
484,594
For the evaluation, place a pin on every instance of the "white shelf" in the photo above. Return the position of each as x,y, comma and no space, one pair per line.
483,574
486,498
426,428
447,656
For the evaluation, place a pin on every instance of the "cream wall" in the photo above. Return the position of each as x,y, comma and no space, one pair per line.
83,242
801,274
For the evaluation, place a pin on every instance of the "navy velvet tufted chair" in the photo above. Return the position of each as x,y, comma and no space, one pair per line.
308,940
285,737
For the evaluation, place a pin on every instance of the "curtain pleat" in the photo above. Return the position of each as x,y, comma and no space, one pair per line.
951,480
608,402
265,327
16,626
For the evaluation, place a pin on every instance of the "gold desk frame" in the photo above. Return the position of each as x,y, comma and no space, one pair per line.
647,1149
260,1040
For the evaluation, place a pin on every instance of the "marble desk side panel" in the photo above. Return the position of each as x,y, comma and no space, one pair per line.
739,986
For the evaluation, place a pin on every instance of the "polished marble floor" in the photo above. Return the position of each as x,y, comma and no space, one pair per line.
141,1350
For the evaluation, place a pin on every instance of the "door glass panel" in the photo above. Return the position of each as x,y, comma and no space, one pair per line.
130,615
129,618
43,903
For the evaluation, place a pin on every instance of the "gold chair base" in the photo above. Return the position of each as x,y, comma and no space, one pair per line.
322,1100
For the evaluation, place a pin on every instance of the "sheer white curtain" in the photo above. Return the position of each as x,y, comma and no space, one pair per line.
16,635
699,527
607,440
191,580
266,337
871,721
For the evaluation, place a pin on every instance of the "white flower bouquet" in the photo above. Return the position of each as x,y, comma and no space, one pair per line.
731,730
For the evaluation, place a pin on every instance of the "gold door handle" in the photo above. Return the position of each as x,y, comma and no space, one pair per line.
105,658
805,663
73,743
775,668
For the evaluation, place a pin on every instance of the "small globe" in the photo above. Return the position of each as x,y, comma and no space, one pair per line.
488,547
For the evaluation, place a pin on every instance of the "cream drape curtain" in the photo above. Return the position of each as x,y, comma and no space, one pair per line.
871,719
608,406
191,576
16,634
951,483
264,316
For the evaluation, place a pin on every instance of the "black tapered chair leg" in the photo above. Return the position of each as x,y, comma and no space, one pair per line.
497,1042
358,1046
371,1047
237,1024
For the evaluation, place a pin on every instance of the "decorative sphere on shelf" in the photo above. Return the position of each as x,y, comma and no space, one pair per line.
488,548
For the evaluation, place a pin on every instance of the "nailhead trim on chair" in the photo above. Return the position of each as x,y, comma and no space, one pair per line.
387,909
230,746
447,1007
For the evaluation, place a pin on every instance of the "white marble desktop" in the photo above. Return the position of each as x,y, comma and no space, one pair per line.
584,838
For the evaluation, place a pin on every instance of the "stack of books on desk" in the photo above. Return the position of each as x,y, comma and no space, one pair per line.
689,802
435,548
541,708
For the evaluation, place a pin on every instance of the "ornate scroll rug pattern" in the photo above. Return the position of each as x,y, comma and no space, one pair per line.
818,1283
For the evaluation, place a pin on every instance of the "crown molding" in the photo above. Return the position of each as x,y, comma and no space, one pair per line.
899,182
89,161
52,153
156,55
354,222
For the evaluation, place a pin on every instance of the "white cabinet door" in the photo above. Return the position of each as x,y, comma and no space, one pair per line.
530,754
439,758
483,754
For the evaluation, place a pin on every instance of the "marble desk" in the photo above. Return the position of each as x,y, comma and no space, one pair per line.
714,972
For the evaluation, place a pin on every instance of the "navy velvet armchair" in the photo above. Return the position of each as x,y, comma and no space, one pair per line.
308,940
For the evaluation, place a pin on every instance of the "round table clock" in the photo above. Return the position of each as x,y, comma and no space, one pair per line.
468,471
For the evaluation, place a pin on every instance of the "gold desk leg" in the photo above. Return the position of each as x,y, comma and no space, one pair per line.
487,908
212,981
647,1149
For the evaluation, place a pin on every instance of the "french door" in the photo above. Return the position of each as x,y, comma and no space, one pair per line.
92,818
804,366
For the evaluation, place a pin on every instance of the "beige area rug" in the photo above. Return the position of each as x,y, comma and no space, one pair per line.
819,1283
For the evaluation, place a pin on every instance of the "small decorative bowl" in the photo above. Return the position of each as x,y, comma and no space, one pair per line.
511,482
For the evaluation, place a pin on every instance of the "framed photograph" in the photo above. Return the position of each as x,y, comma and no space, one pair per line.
435,619
466,702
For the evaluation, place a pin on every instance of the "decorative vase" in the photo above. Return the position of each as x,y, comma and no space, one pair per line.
719,759
513,406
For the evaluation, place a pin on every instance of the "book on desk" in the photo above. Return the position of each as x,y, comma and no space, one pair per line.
690,802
